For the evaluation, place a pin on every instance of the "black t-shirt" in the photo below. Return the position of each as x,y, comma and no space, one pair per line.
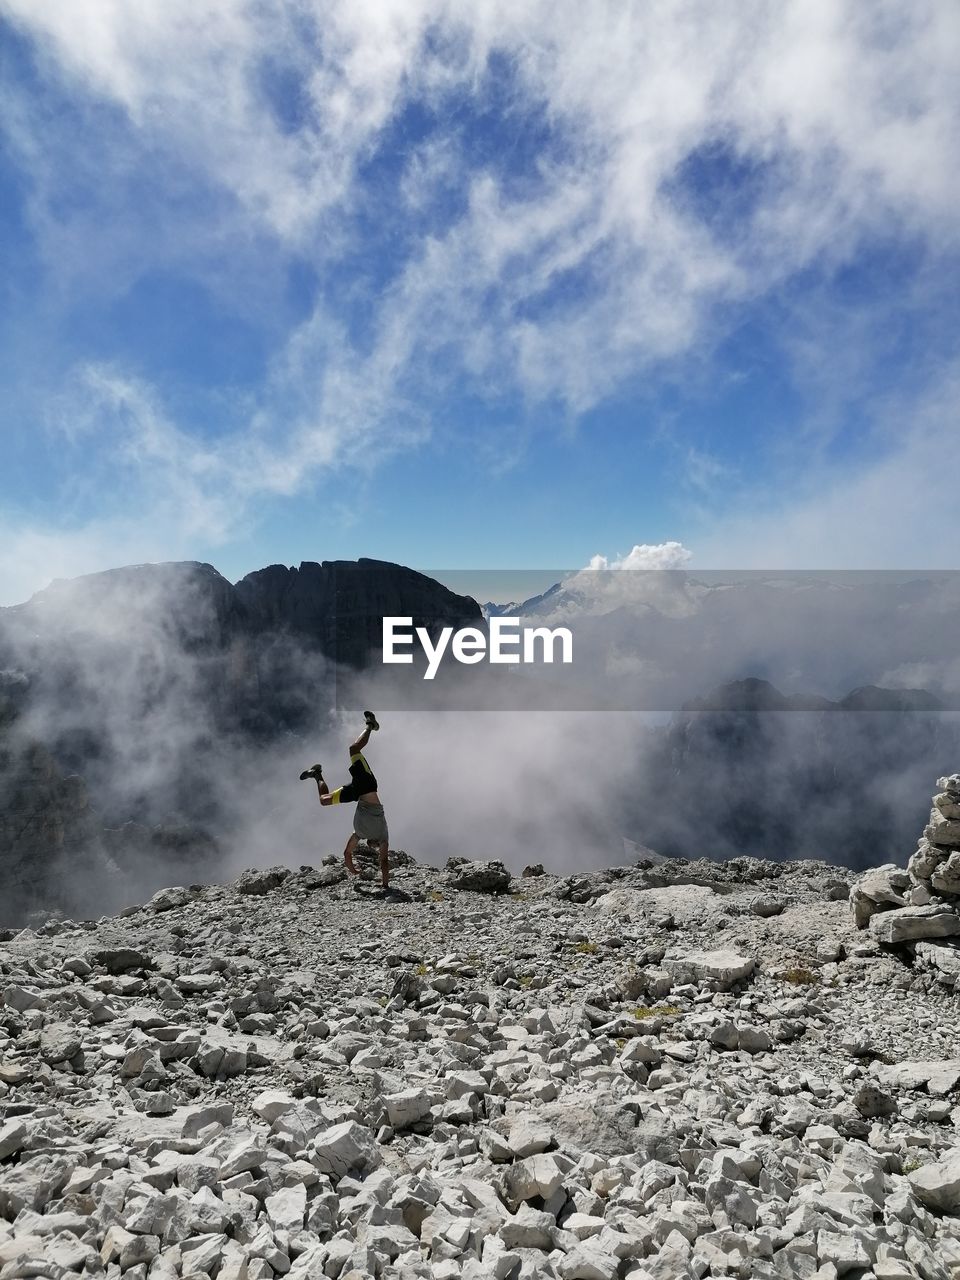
362,780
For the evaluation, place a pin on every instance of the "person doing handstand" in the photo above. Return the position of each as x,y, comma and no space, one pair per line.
369,821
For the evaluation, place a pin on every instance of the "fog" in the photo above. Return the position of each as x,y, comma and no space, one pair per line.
176,720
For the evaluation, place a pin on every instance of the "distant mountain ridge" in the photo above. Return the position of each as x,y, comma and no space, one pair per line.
663,634
754,694
335,605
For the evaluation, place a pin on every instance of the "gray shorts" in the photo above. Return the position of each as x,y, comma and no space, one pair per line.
369,822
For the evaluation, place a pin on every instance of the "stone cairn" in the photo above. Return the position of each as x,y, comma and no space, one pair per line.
919,908
935,867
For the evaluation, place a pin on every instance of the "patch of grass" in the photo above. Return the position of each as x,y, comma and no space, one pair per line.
526,982
421,970
910,1164
620,1042
656,1011
800,976
586,948
436,896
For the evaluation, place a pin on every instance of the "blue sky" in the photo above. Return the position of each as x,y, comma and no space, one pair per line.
476,286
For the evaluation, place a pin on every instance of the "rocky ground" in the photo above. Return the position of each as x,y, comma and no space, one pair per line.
666,1070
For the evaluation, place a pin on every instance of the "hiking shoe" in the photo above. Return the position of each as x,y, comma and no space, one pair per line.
314,771
371,720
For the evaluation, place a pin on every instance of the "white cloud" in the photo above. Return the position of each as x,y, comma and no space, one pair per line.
841,116
34,554
660,555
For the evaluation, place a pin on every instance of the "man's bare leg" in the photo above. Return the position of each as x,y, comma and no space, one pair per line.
348,855
384,863
357,746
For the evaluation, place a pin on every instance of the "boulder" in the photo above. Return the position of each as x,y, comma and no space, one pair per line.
407,1107
167,899
260,881
765,906
272,1103
121,959
725,968
936,1077
58,1042
13,1134
942,957
200,1117
946,877
878,890
534,1176
603,1127
344,1148
948,802
529,1228
286,1207
925,861
480,877
907,924
942,831
873,1102
938,1185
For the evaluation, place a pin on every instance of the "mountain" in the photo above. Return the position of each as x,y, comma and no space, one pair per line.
749,771
646,640
247,652
134,696
334,607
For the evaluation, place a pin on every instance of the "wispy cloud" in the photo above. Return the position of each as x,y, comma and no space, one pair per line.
228,135
882,512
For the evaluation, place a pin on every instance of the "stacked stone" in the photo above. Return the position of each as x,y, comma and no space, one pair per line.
935,867
919,908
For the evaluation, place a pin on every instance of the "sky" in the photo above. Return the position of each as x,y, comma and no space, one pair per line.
477,286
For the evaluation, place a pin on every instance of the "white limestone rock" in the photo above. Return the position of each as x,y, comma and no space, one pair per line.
201,1117
272,1103
942,957
937,1077
878,890
168,899
937,1185
528,1228
407,1107
948,802
942,831
285,1209
908,924
344,1148
13,1134
536,1175
725,968
946,878
527,1137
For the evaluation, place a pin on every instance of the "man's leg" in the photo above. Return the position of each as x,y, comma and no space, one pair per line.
357,746
348,854
384,863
